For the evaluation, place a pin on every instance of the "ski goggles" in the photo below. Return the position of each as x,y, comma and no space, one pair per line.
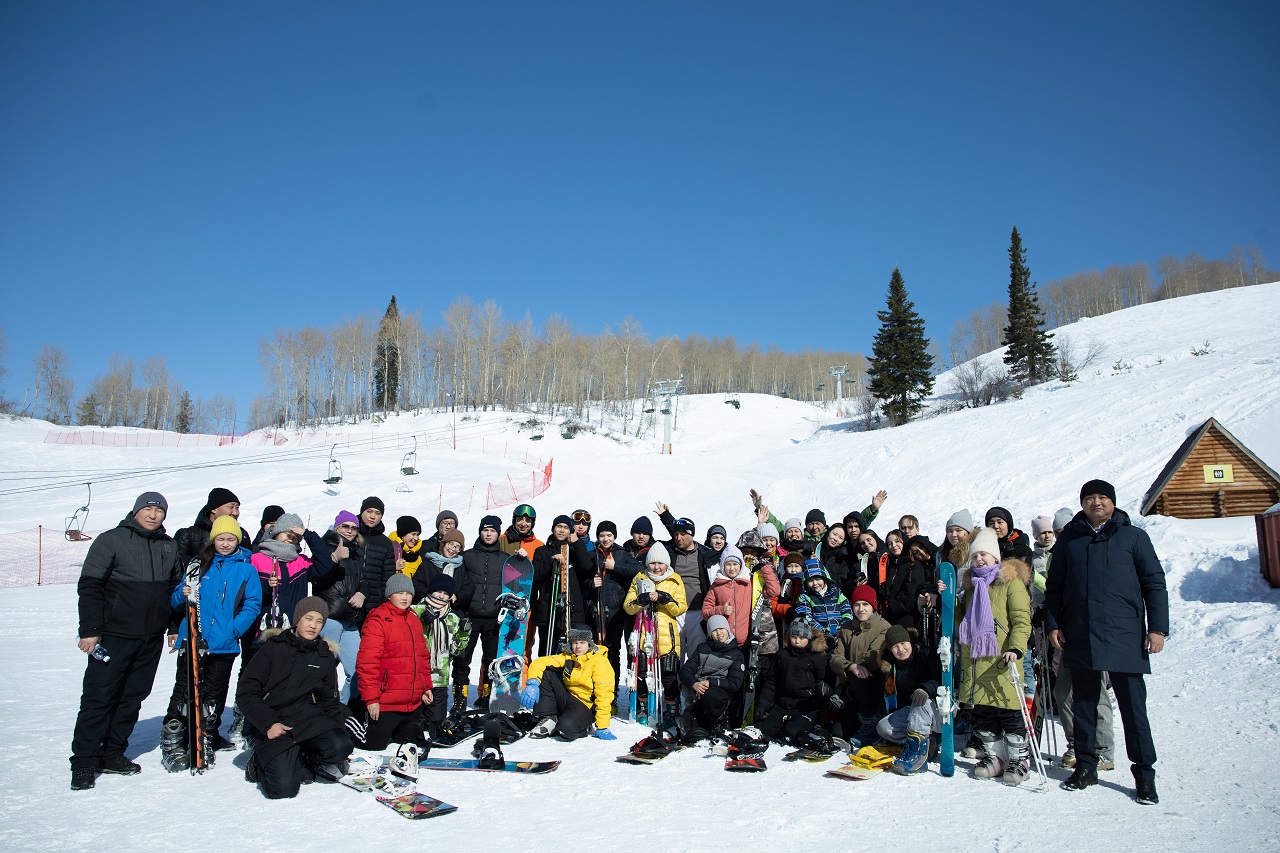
525,510
581,516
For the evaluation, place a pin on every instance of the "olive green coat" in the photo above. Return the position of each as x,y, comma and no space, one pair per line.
985,681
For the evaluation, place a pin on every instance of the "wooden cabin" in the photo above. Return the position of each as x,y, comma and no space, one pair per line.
1212,475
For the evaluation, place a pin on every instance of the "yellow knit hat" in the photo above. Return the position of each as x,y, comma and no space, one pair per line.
225,524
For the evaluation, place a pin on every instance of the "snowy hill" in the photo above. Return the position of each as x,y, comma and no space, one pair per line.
1215,695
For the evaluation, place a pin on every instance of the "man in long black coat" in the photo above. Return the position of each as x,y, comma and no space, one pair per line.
1108,611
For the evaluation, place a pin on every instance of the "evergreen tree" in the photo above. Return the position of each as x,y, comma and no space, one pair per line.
1031,356
386,370
89,411
901,367
186,414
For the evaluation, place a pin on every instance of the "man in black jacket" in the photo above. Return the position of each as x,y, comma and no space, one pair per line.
191,540
1108,611
125,584
479,585
379,557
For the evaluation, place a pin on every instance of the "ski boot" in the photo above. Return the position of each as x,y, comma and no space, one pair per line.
236,734
991,765
914,754
1018,767
173,745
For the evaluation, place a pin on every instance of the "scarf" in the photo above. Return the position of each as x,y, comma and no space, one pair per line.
439,645
285,552
978,628
445,564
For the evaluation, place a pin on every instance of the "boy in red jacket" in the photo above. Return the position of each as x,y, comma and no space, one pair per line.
394,670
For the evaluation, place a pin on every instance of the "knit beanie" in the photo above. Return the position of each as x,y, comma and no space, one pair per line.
985,540
813,570
310,604
717,528
896,634
442,583
683,525
448,513
398,582
218,497
150,499
373,502
642,525
225,524
718,621
998,512
864,593
961,518
563,519
813,515
796,557
657,554
800,628
283,523
792,523
490,521
453,536
407,524
270,514
766,530
607,526
730,554
344,517
1062,518
1041,524
1098,487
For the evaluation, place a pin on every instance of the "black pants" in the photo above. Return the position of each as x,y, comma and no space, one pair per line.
433,715
215,678
786,726
709,709
1131,699
613,640
111,696
282,775
397,727
998,721
484,632
573,719
865,697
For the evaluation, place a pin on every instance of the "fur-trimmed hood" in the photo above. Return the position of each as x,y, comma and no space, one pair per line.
273,632
1009,569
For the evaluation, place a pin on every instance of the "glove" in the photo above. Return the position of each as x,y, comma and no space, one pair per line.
529,698
664,597
919,697
605,734
837,701
464,624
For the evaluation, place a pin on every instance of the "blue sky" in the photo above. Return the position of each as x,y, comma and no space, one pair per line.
179,179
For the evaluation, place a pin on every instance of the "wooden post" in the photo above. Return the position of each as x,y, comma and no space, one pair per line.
39,554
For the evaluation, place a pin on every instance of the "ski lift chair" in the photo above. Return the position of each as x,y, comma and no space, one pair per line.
74,526
335,469
409,464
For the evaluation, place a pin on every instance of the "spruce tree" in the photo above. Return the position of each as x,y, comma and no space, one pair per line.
1031,355
386,369
186,414
901,368
89,411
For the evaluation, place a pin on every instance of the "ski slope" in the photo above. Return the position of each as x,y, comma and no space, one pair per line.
1214,696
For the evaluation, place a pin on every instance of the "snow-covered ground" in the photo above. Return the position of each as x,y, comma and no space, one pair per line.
1214,697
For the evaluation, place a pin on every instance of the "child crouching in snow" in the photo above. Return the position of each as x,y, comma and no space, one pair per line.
995,624
911,676
793,690
714,673
579,688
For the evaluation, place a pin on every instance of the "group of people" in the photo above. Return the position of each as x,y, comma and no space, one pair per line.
812,631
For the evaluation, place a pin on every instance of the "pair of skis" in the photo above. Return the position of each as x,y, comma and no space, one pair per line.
200,722
644,664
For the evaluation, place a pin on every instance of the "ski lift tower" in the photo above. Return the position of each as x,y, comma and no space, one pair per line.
839,373
668,389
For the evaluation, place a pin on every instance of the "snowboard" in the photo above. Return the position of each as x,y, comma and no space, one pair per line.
809,755
946,692
534,767
507,672
753,660
650,750
417,806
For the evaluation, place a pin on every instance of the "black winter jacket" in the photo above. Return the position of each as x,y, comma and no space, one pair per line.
292,681
717,663
379,564
125,583
903,583
191,540
544,567
921,671
615,583
480,580
338,586
793,681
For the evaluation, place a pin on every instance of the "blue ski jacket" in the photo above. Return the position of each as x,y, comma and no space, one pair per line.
230,601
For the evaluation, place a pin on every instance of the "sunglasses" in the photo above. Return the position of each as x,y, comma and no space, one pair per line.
348,527
525,510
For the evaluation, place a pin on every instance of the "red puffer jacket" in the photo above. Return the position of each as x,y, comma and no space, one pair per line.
393,667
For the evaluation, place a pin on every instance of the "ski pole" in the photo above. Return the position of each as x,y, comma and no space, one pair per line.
1037,761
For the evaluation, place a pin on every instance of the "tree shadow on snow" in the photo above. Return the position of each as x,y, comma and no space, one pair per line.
1228,580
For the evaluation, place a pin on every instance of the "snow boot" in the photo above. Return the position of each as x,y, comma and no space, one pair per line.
173,745
915,752
1019,765
544,728
1144,791
459,706
1082,778
82,778
120,765
482,701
